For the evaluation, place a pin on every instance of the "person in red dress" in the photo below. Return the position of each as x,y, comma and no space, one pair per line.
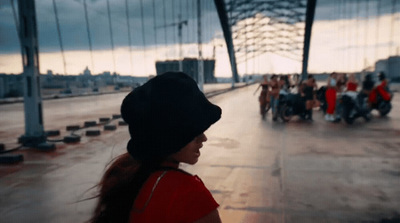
167,118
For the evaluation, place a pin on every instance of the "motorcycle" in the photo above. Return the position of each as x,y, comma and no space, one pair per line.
380,99
351,107
290,105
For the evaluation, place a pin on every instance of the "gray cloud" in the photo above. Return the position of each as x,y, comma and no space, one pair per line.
74,31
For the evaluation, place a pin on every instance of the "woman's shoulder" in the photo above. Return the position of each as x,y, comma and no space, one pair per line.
183,179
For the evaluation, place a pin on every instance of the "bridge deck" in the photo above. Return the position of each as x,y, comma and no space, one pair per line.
259,171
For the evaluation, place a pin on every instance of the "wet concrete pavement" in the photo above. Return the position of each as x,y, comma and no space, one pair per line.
258,170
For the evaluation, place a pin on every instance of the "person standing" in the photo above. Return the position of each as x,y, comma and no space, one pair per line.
274,84
309,88
330,95
167,118
263,99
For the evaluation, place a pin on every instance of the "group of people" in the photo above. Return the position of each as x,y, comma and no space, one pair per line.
282,85
337,83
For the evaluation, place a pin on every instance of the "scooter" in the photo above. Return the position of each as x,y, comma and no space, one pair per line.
291,105
351,109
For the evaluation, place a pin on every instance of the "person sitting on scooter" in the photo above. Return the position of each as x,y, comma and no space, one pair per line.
284,85
382,89
367,86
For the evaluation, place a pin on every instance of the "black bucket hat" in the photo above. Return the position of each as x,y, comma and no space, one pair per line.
165,114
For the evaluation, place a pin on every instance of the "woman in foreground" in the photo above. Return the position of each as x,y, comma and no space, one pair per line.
167,118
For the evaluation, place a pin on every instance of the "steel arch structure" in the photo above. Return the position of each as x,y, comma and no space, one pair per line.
254,27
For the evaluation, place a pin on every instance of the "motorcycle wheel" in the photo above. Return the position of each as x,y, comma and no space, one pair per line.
349,120
384,108
286,113
346,116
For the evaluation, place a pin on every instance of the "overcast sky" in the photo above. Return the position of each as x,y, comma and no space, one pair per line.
74,31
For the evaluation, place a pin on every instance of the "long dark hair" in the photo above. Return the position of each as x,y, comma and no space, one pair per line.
119,187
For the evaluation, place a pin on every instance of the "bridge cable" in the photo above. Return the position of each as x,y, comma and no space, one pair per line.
365,65
346,32
187,19
392,27
59,35
210,33
88,32
180,22
155,29
343,34
194,12
16,23
173,27
143,36
111,33
129,35
245,42
357,34
378,12
350,37
165,25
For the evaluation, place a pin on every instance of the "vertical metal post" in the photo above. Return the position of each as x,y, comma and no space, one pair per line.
34,133
200,80
307,35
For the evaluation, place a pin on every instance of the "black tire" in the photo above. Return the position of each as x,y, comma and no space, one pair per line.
384,108
349,120
346,116
286,113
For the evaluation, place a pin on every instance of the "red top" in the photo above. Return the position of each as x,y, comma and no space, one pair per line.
351,86
177,197
380,89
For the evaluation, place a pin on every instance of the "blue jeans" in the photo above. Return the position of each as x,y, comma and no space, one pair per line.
274,105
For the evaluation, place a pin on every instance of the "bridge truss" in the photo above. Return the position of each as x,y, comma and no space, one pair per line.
256,27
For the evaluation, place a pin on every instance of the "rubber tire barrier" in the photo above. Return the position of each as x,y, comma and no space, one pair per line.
122,123
115,116
52,133
110,127
104,119
71,139
46,147
11,158
92,132
73,127
90,123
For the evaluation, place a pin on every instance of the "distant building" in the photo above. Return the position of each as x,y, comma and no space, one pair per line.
11,86
390,66
189,66
49,73
87,72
